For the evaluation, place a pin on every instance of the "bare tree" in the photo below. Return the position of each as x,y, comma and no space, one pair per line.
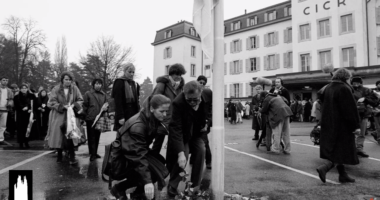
60,57
27,40
105,59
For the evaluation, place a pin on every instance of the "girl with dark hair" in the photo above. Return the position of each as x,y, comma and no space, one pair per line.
145,166
42,112
63,96
23,106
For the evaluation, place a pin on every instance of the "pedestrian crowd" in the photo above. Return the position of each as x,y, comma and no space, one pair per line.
182,112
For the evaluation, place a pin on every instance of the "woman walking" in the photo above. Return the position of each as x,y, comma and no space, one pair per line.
126,93
146,166
339,124
42,113
23,106
62,97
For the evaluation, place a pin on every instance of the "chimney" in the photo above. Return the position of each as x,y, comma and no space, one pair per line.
245,11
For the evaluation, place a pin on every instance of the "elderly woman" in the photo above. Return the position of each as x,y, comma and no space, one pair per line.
61,97
125,93
145,166
23,106
339,124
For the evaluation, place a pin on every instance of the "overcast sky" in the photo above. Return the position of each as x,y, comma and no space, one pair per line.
131,22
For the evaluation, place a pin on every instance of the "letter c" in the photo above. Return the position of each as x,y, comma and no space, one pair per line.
324,5
304,11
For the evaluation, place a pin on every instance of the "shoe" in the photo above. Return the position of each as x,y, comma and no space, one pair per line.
21,146
263,144
343,176
208,166
255,138
374,135
257,145
59,157
172,192
92,157
323,169
98,156
117,194
27,146
362,154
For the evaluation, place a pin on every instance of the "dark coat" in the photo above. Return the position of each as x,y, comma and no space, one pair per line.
138,134
307,109
22,117
339,120
92,103
276,109
232,111
185,124
255,106
207,96
42,114
124,110
283,92
165,88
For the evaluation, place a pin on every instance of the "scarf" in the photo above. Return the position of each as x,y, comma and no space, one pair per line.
175,84
129,94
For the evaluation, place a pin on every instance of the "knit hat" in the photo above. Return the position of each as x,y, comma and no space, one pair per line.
356,79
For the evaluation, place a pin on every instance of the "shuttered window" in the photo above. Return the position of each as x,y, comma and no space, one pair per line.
208,71
252,21
192,51
167,69
288,35
235,25
288,60
167,52
253,42
347,23
252,64
348,56
192,70
324,58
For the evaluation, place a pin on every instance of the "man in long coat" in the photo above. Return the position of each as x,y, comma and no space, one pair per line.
340,119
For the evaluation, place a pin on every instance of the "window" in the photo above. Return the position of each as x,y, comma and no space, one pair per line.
324,28
253,42
167,69
271,62
324,58
236,46
378,45
269,16
252,64
305,62
348,56
378,15
236,67
235,25
288,60
252,21
207,70
168,34
287,11
193,32
192,70
305,32
236,90
271,39
193,51
167,52
288,35
347,23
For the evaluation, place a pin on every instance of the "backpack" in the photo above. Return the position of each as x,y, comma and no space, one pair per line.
115,164
315,134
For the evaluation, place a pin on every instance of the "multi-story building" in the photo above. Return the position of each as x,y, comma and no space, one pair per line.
292,40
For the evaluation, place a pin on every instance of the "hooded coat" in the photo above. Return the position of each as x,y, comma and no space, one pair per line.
339,120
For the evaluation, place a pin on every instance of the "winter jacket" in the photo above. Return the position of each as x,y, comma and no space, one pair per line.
93,102
9,104
277,110
369,100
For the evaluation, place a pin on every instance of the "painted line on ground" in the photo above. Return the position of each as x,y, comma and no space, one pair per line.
375,159
23,162
280,165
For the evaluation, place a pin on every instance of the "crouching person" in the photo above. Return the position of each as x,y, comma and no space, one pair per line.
145,166
278,117
186,128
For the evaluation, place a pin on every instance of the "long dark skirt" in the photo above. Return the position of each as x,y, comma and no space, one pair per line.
22,126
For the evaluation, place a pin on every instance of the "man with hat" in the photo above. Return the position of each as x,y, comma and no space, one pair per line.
364,98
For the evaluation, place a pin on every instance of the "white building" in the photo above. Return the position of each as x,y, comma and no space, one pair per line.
291,40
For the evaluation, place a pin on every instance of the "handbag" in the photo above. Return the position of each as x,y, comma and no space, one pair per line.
103,124
114,163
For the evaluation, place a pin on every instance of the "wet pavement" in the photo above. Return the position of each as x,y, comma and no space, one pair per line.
247,170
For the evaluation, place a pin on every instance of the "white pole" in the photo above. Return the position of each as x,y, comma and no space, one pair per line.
217,174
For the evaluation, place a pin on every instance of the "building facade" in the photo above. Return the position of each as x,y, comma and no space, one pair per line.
292,40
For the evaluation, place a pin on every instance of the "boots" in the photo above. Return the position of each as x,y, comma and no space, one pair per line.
59,157
343,176
72,160
323,169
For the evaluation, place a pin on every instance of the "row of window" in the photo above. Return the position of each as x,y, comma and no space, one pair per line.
254,20
192,31
207,70
236,90
168,52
